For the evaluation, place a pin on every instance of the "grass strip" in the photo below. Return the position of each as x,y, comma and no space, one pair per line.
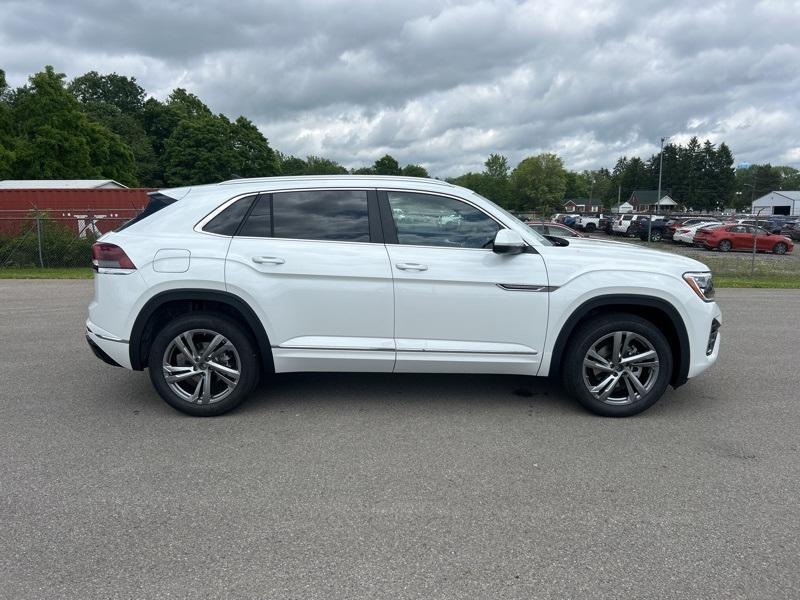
47,273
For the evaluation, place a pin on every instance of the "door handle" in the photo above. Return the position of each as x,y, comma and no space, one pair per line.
268,260
411,267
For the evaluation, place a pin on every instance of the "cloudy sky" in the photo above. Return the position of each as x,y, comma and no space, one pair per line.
446,83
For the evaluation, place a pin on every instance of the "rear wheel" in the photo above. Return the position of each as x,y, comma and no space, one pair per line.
780,248
725,246
590,227
203,364
617,365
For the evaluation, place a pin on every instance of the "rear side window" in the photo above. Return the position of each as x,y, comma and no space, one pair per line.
228,221
326,215
156,203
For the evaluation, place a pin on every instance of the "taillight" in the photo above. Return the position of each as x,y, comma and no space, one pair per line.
110,256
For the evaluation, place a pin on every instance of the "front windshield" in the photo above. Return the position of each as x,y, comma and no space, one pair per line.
539,237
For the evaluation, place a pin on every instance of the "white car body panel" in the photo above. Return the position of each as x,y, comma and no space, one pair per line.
688,237
346,306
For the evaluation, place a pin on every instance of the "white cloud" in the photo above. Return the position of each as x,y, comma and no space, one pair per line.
446,83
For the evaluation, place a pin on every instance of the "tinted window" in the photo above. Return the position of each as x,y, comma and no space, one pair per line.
339,215
427,220
259,223
333,215
226,222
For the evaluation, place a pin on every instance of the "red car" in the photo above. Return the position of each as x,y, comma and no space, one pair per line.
740,237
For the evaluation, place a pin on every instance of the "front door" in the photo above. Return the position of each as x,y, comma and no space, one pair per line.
320,277
459,307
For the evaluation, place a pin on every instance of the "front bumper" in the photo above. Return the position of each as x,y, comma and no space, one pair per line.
704,349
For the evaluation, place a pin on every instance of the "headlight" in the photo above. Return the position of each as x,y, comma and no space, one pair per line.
702,284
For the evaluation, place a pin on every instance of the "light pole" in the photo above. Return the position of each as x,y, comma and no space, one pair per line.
658,198
752,187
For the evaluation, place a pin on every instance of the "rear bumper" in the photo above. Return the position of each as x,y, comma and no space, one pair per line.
98,352
107,347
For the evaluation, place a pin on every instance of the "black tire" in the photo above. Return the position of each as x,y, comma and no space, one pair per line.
244,353
590,227
595,330
780,248
655,236
725,246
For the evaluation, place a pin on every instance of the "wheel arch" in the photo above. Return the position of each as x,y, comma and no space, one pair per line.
166,305
656,310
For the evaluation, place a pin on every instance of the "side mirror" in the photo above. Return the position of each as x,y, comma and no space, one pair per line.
508,242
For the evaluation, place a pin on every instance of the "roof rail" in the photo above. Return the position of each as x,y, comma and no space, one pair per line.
387,178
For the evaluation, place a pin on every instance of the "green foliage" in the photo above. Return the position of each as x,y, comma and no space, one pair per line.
291,165
115,90
539,183
53,138
697,176
386,165
497,166
317,165
61,246
493,183
415,171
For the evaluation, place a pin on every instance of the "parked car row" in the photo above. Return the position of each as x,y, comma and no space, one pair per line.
776,234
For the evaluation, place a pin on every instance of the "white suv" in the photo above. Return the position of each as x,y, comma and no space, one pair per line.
215,285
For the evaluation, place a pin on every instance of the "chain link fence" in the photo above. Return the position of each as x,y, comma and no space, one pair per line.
54,238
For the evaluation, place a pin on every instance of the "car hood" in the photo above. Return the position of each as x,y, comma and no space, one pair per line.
592,254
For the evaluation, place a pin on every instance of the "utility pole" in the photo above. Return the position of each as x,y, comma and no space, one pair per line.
658,199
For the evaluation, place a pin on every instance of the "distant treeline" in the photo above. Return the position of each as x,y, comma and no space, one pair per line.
104,126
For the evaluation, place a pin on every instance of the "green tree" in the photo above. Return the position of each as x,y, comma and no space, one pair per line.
291,165
790,178
363,171
725,175
317,165
415,171
539,182
497,166
386,165
116,90
199,151
55,139
253,156
6,138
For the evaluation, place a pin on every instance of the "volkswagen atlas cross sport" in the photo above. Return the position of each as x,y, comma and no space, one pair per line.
213,286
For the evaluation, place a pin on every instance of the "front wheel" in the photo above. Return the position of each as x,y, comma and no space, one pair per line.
618,365
590,227
725,246
655,236
780,248
203,364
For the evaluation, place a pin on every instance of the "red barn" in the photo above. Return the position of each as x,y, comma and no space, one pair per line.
92,211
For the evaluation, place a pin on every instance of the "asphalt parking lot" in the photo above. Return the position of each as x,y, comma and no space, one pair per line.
380,486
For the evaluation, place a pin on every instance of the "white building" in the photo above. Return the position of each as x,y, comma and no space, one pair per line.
60,184
778,203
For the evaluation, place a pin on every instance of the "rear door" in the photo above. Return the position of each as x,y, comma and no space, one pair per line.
459,307
314,263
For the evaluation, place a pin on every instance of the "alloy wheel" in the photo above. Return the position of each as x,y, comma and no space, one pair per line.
620,368
201,366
